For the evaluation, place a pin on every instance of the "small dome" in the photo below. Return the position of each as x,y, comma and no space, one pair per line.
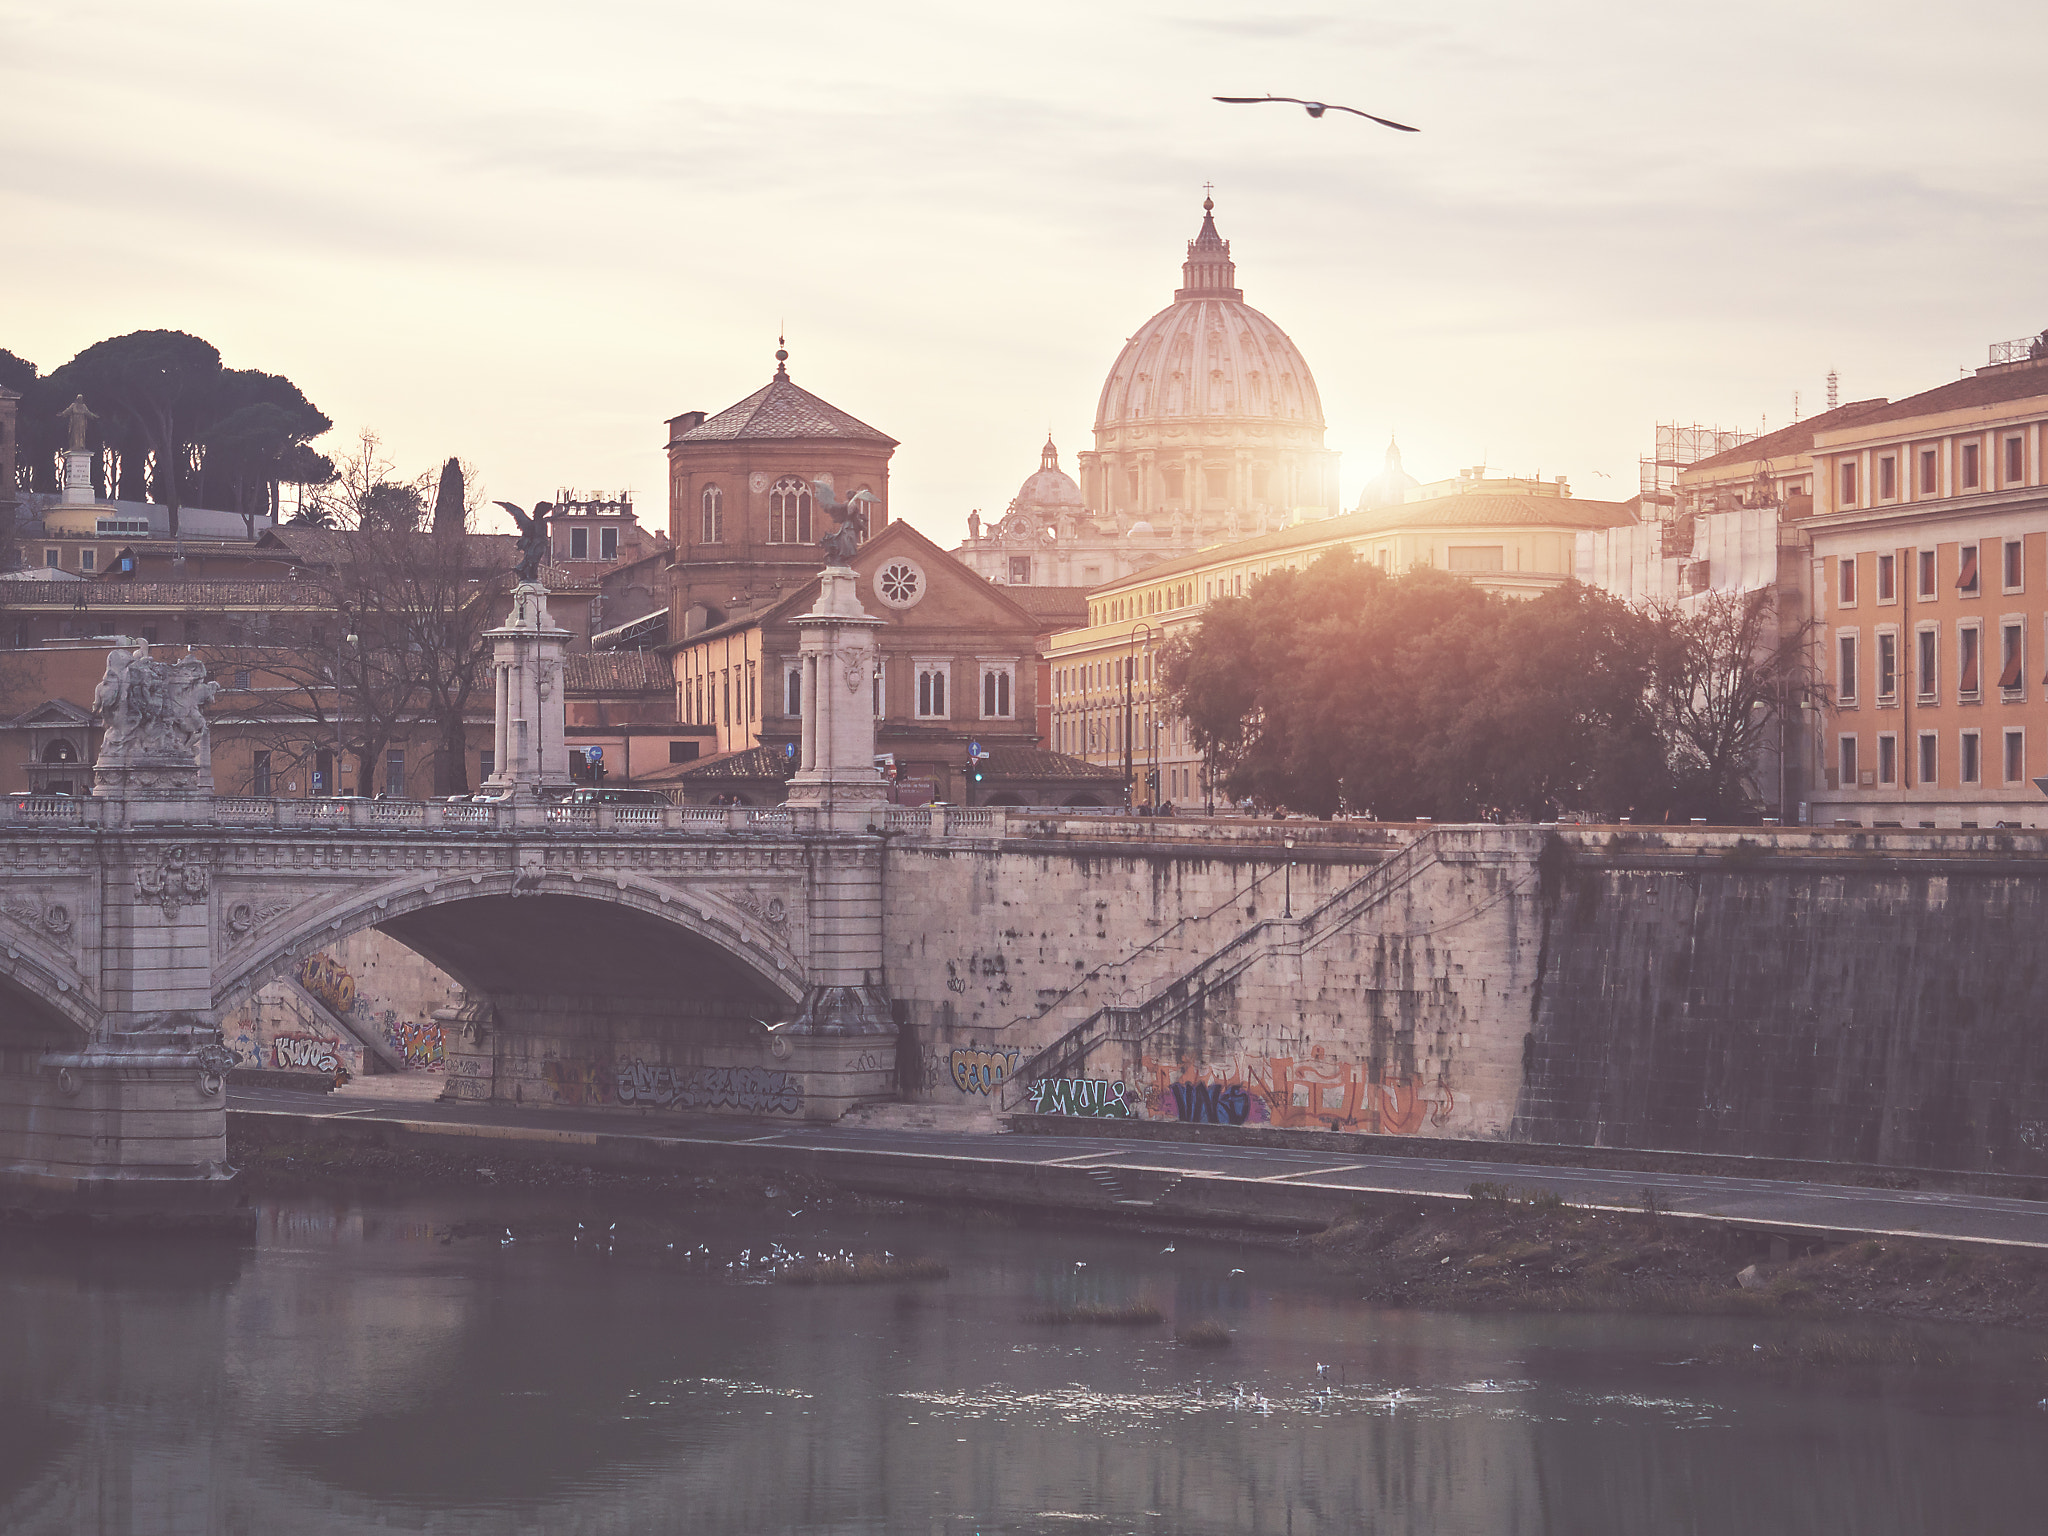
1139,530
1051,490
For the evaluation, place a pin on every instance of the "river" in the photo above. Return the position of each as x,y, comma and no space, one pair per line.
358,1365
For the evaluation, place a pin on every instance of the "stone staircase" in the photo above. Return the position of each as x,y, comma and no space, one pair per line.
1134,1186
962,1119
1131,1025
394,1087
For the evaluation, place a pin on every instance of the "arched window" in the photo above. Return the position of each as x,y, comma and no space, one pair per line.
714,516
995,690
789,511
793,702
874,509
931,690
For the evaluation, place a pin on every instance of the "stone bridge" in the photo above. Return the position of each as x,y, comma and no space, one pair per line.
677,931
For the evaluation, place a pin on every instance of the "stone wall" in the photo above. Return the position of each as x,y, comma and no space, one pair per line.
1394,1002
1843,997
1789,993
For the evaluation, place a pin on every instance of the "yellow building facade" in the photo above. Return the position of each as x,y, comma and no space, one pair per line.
1930,575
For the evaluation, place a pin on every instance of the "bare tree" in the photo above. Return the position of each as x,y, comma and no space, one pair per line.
1727,674
442,590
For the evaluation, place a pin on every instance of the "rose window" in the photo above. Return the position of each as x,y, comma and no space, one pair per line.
899,583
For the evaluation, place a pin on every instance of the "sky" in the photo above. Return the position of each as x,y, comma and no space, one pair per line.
529,233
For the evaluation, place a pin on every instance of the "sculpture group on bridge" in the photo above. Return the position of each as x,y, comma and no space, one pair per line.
154,712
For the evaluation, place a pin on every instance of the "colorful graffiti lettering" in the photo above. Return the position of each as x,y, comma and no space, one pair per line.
1212,1103
328,979
576,1082
982,1071
304,1053
422,1044
755,1090
1310,1092
1094,1097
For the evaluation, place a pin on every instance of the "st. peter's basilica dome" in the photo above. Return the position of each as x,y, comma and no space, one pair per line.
1210,415
1209,354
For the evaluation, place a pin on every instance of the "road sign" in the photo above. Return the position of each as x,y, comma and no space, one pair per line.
593,754
974,749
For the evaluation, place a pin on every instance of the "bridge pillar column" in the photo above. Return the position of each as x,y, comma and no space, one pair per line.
843,1039
532,738
133,1121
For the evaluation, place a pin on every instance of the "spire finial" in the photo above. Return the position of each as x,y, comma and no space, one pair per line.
781,358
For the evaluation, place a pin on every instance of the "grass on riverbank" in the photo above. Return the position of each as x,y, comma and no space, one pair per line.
1206,1334
1534,1255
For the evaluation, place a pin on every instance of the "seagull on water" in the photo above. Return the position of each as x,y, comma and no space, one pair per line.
1314,108
1167,1249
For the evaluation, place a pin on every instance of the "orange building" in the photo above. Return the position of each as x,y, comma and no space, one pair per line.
1930,573
742,515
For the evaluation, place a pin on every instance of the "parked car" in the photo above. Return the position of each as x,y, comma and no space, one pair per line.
602,795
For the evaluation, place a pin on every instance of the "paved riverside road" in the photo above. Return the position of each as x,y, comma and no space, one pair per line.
1835,1209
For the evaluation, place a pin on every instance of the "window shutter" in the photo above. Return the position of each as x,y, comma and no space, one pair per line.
1966,580
2010,677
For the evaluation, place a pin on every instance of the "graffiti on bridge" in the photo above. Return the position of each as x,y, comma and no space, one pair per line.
753,1090
328,979
1212,1103
976,1071
421,1043
1311,1093
1095,1098
304,1053
582,1083
756,1090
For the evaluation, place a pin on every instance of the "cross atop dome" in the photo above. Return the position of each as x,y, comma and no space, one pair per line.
1208,273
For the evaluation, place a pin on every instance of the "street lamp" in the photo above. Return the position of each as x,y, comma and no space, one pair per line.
1130,720
341,650
1288,844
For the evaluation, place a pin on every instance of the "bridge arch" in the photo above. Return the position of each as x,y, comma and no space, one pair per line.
43,995
541,933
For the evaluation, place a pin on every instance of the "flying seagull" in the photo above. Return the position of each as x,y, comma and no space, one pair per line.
1315,109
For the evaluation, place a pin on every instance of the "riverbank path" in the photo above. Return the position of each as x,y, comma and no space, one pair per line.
1168,1180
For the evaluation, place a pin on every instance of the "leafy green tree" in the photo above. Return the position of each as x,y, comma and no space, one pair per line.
1423,695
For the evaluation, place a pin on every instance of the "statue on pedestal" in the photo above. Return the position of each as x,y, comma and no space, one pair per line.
851,515
75,416
533,537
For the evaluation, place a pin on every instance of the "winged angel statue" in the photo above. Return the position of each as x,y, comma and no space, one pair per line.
852,517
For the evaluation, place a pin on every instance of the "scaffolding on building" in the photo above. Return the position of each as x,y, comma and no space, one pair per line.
1677,448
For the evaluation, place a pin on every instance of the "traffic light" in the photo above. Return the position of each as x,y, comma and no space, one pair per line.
1152,783
974,769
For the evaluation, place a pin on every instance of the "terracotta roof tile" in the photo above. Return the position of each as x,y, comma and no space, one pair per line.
781,410
617,672
1961,394
1033,763
232,593
1787,442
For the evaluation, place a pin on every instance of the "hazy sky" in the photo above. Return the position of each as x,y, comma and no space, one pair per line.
527,233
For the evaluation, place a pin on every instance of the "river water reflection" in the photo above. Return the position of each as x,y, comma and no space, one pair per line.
352,1370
